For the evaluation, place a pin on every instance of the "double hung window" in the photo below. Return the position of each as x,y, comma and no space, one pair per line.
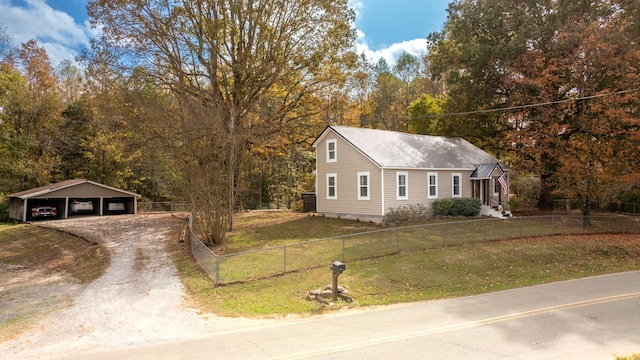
402,185
456,183
332,186
332,151
363,186
432,181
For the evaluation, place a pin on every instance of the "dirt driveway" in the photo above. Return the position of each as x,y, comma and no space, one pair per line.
138,301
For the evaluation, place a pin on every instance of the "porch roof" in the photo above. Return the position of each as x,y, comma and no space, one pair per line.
485,171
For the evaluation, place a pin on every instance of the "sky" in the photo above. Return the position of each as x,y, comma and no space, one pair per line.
385,28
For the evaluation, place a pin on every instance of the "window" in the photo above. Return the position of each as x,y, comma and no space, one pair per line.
496,187
402,186
332,151
332,186
432,191
363,186
456,183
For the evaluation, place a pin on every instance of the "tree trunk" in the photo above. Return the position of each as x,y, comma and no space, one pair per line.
232,166
545,200
586,211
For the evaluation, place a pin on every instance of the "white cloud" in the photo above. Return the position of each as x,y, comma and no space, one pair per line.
416,47
54,30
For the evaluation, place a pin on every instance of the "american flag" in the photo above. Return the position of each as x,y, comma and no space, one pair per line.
503,183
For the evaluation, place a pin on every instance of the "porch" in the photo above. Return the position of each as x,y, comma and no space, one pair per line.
490,184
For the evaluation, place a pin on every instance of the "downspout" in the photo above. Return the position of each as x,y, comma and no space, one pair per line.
382,190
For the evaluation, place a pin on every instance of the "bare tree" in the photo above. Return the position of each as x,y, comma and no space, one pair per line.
225,55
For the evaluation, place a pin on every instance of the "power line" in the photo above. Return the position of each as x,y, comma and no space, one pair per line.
528,106
486,111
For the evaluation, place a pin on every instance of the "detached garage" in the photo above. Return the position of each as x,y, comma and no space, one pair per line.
71,198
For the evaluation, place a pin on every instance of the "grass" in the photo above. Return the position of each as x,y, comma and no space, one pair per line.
270,256
410,275
57,252
255,229
56,258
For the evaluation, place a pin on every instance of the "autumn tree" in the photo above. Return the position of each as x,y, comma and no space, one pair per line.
71,81
423,116
565,69
30,115
219,58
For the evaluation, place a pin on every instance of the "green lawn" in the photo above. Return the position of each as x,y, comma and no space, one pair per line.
469,267
255,251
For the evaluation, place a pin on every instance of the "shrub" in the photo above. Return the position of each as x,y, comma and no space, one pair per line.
406,213
457,207
4,208
465,207
442,207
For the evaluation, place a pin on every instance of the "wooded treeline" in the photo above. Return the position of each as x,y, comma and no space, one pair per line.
216,102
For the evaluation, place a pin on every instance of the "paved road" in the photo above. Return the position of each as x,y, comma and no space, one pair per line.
591,318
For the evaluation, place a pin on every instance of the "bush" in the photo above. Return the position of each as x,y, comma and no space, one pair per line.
465,207
457,207
406,213
442,207
4,208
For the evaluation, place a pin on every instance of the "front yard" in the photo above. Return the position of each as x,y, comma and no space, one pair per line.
464,269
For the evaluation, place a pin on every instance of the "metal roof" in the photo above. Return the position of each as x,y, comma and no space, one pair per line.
391,149
485,171
27,194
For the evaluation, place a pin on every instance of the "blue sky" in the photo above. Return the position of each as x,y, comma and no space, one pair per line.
385,28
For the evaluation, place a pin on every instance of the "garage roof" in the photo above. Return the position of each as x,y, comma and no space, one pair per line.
43,190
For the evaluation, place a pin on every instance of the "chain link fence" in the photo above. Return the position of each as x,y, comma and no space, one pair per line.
155,207
256,264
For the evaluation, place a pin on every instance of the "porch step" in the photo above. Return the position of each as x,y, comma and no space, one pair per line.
493,212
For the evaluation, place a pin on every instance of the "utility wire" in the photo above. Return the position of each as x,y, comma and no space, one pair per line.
486,111
528,106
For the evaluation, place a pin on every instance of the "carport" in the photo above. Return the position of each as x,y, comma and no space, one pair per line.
72,198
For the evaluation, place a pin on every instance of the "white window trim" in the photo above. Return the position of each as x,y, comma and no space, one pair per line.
429,175
368,175
335,177
406,185
335,150
496,185
453,187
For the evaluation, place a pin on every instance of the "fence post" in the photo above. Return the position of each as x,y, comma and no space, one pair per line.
285,258
485,230
397,242
520,219
217,270
444,243
553,224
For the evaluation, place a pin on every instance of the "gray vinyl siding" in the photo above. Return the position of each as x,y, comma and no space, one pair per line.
418,186
349,162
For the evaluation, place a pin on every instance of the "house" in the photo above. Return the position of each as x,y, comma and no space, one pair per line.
69,198
362,173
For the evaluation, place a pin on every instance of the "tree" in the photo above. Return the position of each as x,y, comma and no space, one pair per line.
571,56
70,81
388,112
408,68
31,113
422,116
219,58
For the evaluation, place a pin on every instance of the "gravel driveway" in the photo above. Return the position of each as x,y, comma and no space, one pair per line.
138,301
